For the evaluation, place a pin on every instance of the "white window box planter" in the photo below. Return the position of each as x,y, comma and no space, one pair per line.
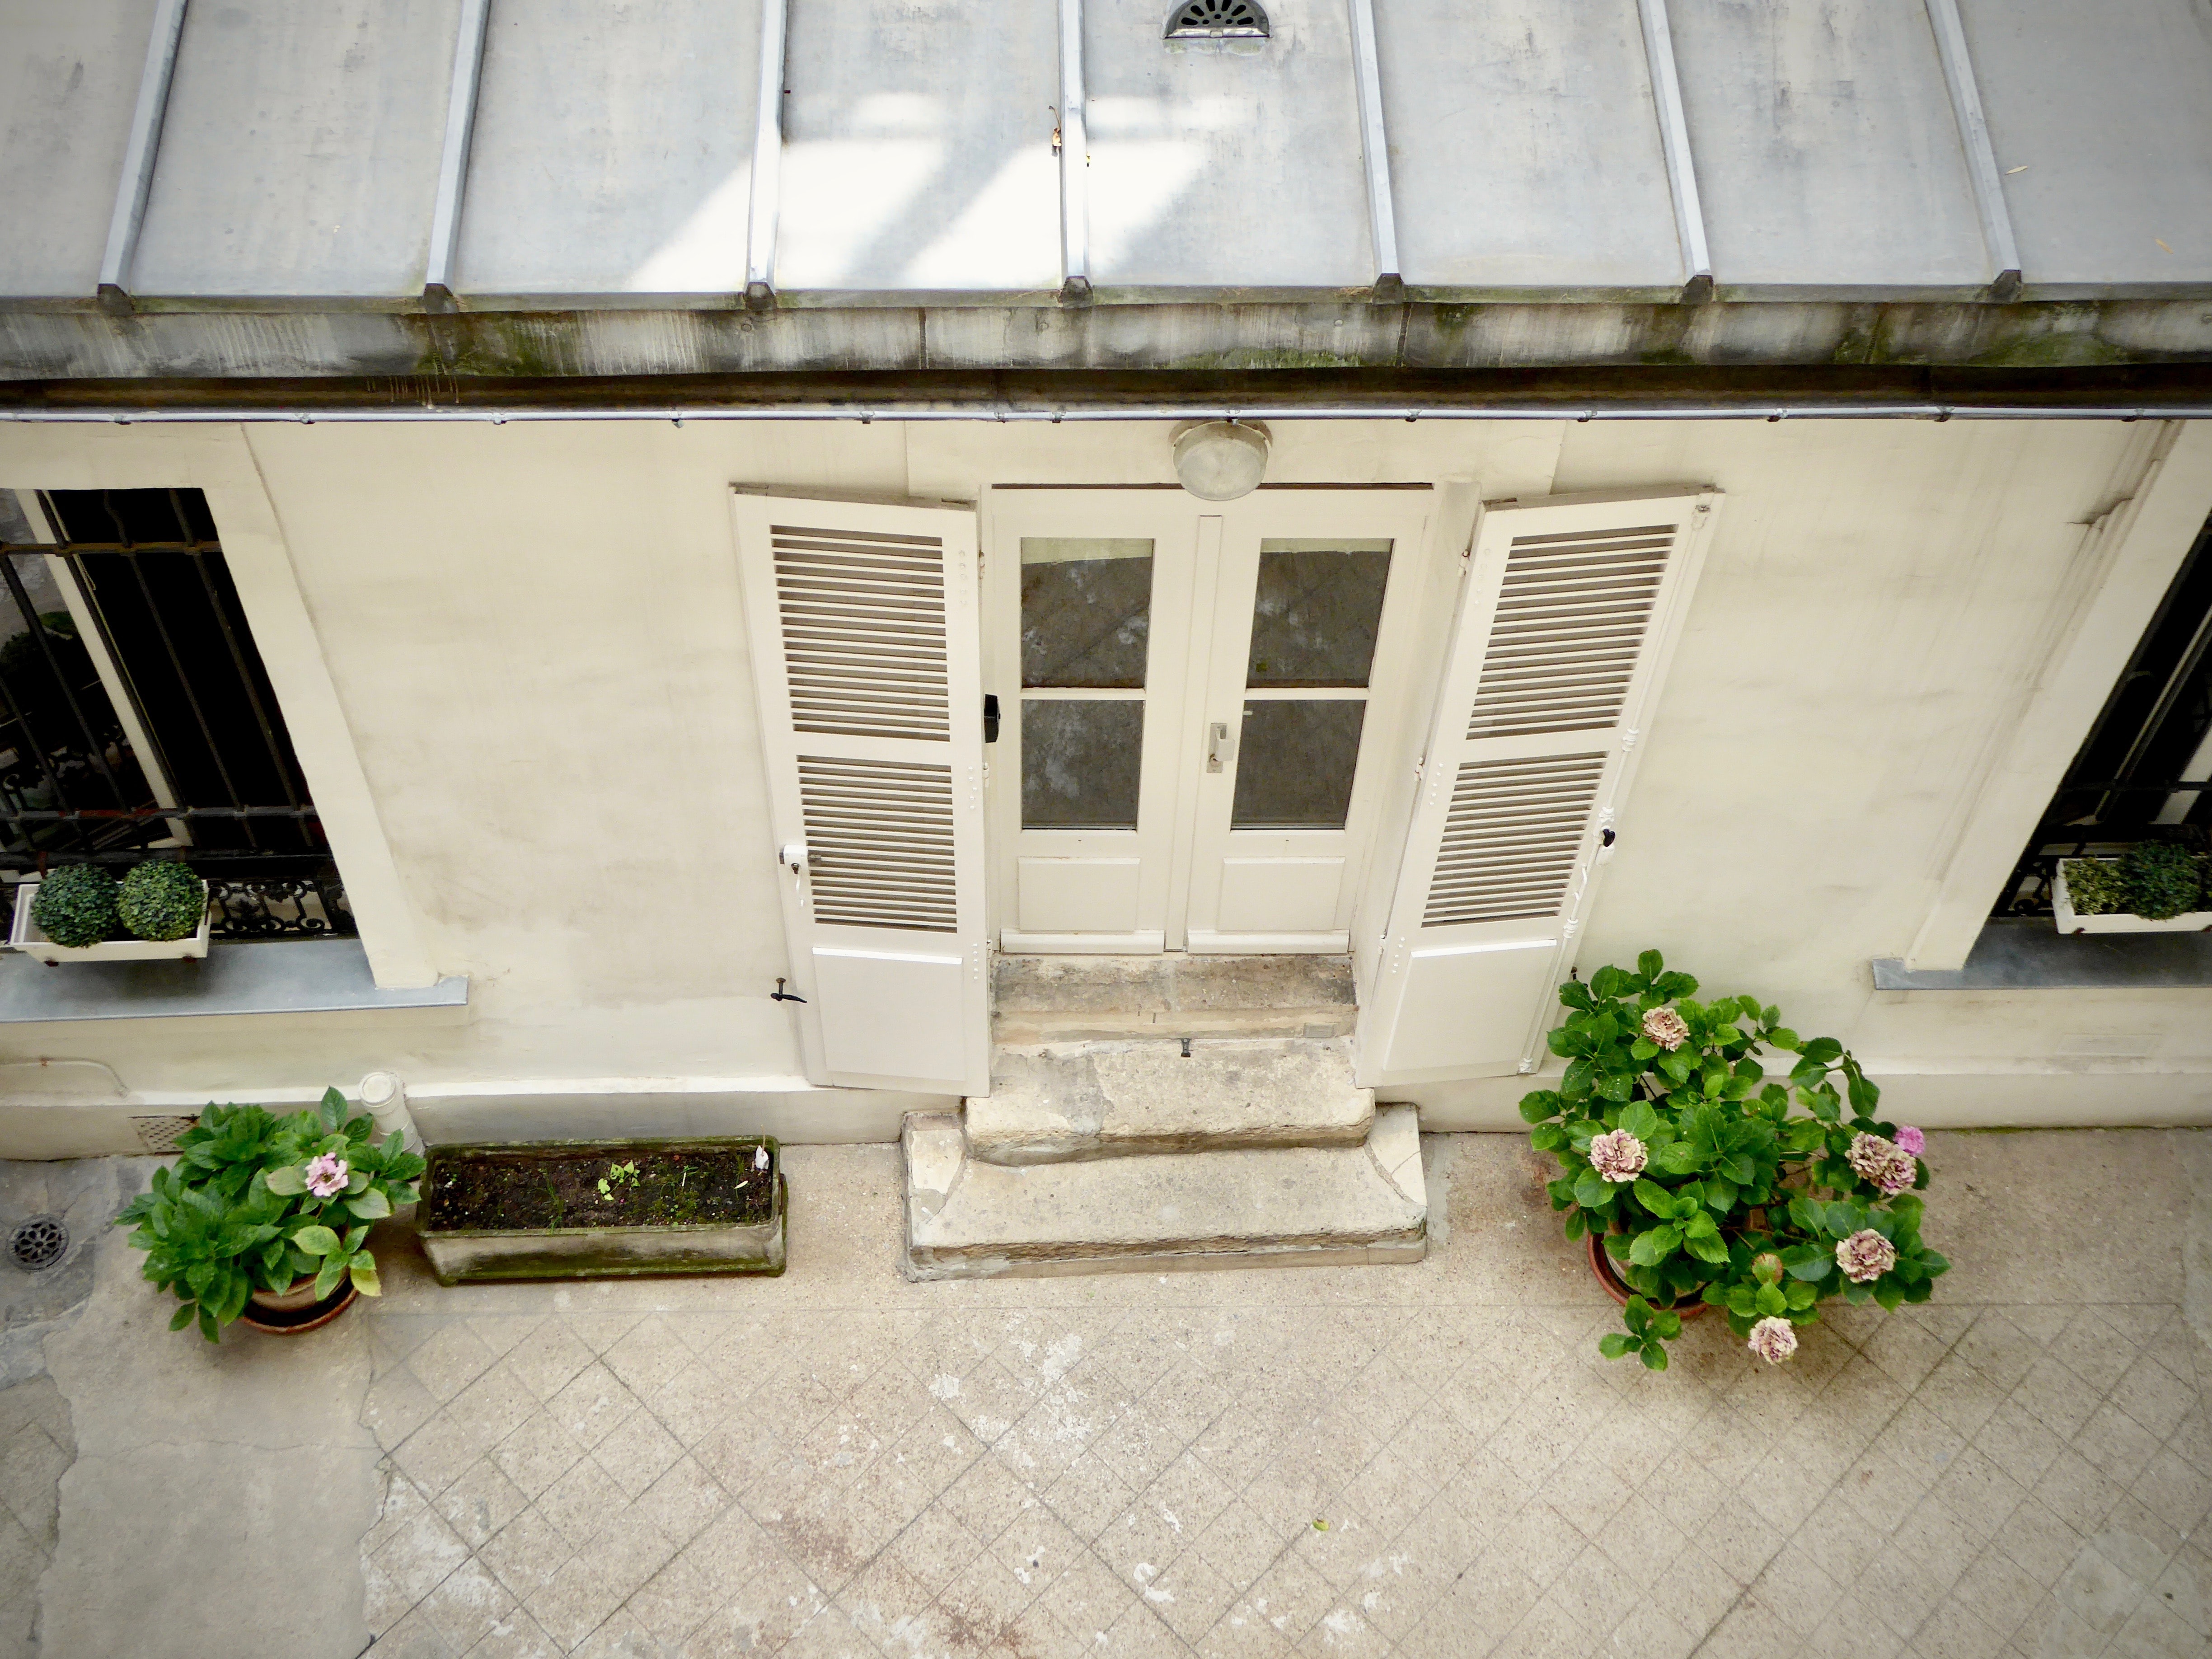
26,937
2070,921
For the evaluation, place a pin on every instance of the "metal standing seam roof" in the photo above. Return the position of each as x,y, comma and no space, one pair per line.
221,187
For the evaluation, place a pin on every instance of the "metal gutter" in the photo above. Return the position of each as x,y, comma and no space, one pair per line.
1828,410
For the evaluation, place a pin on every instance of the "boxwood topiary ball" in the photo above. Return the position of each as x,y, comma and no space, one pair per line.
2163,879
162,900
76,905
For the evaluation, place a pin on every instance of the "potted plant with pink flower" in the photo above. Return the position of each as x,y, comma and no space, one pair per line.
265,1219
1701,1180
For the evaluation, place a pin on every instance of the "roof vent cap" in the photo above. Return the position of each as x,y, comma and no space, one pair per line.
1217,19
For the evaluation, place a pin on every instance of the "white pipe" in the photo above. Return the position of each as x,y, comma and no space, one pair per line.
385,1098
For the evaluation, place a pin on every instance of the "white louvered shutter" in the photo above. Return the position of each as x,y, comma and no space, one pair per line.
863,629
1566,618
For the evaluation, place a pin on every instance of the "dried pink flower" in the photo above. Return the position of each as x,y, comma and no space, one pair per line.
1882,1163
1773,1340
1666,1028
1618,1155
1865,1255
1910,1139
326,1176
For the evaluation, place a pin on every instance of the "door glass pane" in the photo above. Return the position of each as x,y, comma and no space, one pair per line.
1294,766
1080,762
1315,613
1086,610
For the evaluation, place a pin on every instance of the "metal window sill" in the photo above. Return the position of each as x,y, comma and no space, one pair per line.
2032,955
288,976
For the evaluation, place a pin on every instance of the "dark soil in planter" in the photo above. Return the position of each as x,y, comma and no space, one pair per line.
527,1191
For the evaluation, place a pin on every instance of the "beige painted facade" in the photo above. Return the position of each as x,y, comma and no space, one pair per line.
513,658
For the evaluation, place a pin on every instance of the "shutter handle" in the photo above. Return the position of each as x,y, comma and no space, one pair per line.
794,856
1216,745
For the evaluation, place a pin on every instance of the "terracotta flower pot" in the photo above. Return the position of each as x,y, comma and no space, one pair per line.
296,1310
1615,1287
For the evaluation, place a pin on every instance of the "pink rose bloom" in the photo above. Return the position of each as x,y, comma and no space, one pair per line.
1618,1155
1910,1139
326,1176
1666,1028
1887,1165
1866,1255
1773,1340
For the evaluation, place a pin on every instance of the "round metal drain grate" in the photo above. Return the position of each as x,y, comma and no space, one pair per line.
38,1244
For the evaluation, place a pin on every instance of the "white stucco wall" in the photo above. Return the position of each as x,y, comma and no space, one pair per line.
533,637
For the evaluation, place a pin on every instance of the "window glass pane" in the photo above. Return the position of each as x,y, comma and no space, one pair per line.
1086,610
1315,615
1294,766
1081,761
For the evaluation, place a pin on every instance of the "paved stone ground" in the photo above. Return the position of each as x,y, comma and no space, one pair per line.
1430,1461
1427,1461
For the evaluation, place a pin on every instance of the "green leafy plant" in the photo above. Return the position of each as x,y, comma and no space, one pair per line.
162,899
617,1176
1707,1181
2161,879
1650,1330
257,1202
76,905
2093,887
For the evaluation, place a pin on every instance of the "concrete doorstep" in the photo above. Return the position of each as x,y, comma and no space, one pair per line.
1080,1100
1333,1206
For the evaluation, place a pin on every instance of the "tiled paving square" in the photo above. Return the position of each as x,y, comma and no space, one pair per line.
1426,1462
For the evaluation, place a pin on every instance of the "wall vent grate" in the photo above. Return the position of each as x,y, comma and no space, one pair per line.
863,620
1512,835
879,843
1573,614
159,1135
1217,19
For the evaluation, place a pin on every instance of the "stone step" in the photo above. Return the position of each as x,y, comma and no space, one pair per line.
1283,1206
1063,999
1053,1103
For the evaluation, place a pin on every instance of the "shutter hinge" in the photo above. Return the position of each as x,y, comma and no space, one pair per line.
1420,765
1628,739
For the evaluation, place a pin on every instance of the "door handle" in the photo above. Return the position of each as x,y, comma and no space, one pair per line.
1216,745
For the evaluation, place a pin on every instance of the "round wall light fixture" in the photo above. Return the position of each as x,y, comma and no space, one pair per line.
1221,461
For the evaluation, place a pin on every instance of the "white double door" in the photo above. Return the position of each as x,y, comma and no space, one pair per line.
1195,700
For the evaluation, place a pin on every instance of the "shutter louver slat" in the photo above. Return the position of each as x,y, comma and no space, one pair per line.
1511,837
879,838
1572,612
863,624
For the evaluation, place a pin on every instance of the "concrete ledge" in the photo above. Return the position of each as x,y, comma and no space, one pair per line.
1051,1105
293,976
1272,1207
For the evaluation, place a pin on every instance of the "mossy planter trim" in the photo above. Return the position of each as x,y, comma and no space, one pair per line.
464,1256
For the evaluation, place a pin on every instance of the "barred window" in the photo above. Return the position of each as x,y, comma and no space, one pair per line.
137,717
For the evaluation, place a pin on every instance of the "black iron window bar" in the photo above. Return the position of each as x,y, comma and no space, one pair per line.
75,787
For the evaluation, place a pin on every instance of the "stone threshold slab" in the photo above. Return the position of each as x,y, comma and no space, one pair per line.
1055,1102
1061,998
1269,1207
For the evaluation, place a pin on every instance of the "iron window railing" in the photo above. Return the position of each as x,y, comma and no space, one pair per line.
2145,771
136,717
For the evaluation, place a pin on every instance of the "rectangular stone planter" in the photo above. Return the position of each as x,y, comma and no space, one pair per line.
2070,921
461,1255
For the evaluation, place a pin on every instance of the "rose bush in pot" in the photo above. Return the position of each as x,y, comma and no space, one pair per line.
1709,1182
268,1209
